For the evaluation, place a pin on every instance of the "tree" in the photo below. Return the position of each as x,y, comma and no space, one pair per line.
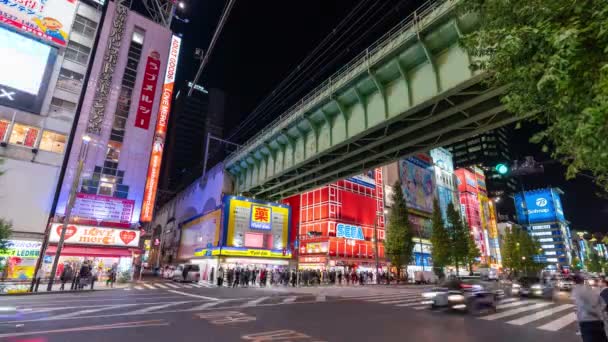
593,263
5,226
399,242
519,252
511,258
553,56
472,250
440,241
576,264
459,238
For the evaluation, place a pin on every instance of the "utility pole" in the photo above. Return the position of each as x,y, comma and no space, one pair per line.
376,243
84,148
209,137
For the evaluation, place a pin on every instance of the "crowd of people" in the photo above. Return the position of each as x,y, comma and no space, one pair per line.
79,278
245,277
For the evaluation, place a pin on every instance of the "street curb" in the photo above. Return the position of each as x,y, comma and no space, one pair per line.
54,292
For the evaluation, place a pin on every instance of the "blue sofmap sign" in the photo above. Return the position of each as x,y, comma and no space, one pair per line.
540,206
348,231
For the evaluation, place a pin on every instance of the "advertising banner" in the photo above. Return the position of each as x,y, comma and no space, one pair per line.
22,249
160,133
366,179
244,216
95,209
25,70
416,176
243,252
467,181
542,205
349,231
92,235
200,232
50,20
148,89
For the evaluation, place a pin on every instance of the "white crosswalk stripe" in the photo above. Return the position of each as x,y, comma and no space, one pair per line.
149,286
173,286
559,323
254,302
401,301
540,315
188,286
161,286
197,285
515,303
514,312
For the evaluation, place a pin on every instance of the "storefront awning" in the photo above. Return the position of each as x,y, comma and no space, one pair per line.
90,251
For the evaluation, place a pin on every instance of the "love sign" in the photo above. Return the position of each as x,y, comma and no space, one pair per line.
92,235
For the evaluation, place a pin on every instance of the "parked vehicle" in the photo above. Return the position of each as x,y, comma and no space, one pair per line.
488,273
425,277
465,295
532,287
167,272
186,273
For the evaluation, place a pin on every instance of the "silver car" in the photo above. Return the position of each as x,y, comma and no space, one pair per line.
186,273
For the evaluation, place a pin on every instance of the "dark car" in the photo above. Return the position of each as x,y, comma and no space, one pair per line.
466,295
532,287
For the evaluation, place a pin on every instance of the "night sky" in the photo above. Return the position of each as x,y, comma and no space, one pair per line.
263,41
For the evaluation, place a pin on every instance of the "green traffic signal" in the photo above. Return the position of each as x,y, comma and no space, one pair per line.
502,169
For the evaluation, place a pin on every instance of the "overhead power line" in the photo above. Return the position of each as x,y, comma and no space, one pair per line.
216,35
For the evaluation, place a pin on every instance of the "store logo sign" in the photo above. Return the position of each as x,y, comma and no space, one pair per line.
349,232
541,202
261,217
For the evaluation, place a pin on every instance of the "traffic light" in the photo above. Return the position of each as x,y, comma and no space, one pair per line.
502,169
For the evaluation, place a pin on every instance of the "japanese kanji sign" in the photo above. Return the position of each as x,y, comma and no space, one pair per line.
261,217
50,20
148,89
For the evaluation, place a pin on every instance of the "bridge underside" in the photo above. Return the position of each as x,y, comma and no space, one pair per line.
409,94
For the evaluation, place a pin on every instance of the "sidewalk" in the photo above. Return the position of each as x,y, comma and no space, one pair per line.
8,289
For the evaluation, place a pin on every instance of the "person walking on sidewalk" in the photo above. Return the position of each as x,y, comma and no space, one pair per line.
588,311
85,275
66,275
220,276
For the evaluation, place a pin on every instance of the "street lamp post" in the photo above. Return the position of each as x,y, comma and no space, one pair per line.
84,148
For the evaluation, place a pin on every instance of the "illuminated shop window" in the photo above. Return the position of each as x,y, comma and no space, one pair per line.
106,189
53,142
24,135
3,128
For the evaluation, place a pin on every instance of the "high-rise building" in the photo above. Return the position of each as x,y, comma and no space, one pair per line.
485,151
118,140
541,213
46,47
480,213
335,224
445,180
194,117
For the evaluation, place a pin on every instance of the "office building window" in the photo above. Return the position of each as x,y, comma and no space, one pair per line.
62,107
70,81
84,26
3,128
24,135
77,52
53,142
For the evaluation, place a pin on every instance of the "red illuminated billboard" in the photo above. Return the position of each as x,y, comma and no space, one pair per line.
160,133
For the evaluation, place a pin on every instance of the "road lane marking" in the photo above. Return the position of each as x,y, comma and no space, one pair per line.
508,300
149,286
197,285
84,312
289,299
411,304
125,325
192,295
513,304
420,307
383,298
320,298
539,315
188,286
401,301
513,312
161,286
254,302
559,323
138,287
173,286
155,307
209,305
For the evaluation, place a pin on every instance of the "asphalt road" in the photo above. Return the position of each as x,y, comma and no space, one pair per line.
185,313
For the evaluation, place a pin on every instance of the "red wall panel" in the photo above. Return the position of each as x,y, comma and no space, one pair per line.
358,209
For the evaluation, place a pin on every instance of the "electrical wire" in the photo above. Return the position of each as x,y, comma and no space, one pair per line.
214,39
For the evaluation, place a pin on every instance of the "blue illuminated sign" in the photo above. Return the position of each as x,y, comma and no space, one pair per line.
540,206
349,232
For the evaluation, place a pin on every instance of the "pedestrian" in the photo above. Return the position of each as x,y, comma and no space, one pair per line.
588,311
85,275
94,276
220,276
39,276
237,276
66,275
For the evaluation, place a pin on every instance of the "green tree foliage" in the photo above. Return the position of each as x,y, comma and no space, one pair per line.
518,252
553,55
399,242
5,226
593,263
459,238
472,250
440,241
576,264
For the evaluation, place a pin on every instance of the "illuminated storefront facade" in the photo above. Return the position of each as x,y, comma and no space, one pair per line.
337,224
46,48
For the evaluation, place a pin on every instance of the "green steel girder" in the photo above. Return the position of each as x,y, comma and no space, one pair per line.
409,96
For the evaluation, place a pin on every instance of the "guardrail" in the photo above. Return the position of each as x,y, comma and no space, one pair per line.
344,75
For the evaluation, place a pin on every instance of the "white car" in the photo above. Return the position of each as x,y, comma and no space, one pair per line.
186,273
